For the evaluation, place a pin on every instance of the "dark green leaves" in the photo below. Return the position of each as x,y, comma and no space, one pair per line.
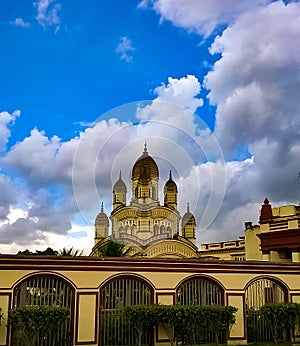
182,321
34,323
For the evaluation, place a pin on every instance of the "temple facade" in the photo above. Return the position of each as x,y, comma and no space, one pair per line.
150,228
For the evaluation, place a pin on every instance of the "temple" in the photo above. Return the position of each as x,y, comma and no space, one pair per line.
149,228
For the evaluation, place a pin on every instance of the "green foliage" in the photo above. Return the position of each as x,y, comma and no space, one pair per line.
113,248
70,252
31,324
48,252
182,323
219,319
111,323
282,318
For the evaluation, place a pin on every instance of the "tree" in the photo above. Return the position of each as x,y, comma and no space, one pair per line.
112,248
70,252
48,252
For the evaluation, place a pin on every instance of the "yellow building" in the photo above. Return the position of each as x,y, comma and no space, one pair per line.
224,250
275,238
151,229
97,289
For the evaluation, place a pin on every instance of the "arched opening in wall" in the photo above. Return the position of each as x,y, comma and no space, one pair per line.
259,292
50,290
200,290
169,231
115,295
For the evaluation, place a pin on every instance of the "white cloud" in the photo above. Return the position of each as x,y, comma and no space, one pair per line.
175,104
48,13
20,22
255,95
183,91
6,120
79,237
201,16
8,196
54,175
34,157
125,48
256,83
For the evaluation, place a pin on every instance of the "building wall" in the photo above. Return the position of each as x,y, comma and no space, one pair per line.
258,243
87,275
225,250
252,242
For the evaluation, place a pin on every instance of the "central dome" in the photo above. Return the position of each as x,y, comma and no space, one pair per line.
145,165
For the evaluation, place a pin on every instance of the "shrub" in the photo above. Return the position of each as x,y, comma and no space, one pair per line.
183,323
34,323
282,318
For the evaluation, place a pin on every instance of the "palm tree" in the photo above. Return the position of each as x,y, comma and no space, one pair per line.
70,252
112,248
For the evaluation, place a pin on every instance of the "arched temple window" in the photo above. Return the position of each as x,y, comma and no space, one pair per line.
47,289
169,230
259,292
162,229
200,291
114,296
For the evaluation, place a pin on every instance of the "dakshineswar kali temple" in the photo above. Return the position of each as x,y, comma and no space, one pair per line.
155,230
149,228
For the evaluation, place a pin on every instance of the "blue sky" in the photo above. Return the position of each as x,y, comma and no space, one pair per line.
223,75
72,72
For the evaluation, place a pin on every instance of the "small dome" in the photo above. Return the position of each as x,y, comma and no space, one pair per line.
188,218
145,163
170,185
120,186
102,218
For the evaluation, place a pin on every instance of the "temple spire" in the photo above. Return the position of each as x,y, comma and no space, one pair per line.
120,175
102,208
266,213
188,207
145,149
170,175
